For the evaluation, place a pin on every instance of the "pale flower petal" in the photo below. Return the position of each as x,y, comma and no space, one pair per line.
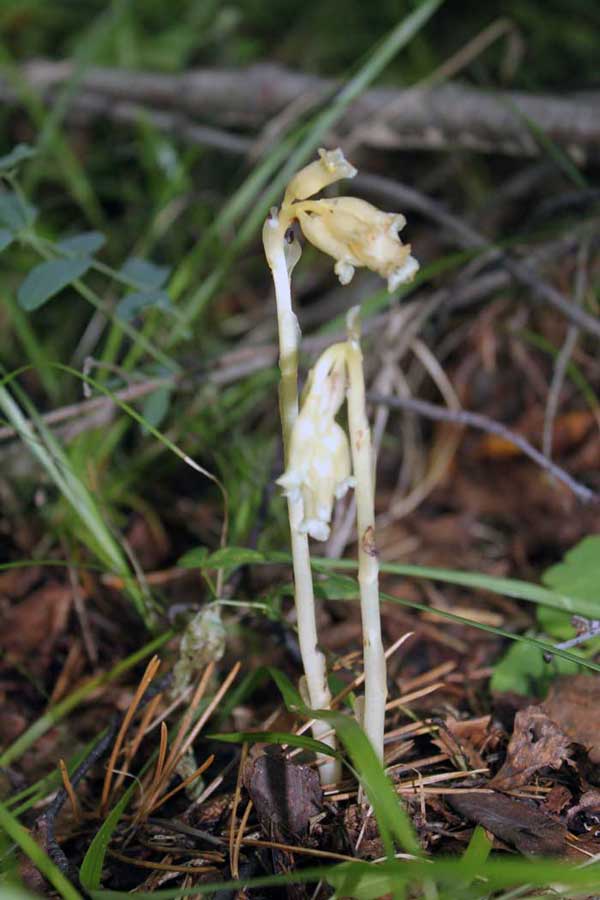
329,168
355,233
319,465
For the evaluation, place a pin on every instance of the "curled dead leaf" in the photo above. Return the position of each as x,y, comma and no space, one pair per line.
536,743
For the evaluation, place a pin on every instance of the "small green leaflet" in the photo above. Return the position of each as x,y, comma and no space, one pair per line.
6,237
194,559
15,212
17,155
48,279
85,244
226,558
146,275
137,301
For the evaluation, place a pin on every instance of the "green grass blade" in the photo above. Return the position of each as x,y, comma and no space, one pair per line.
90,872
508,587
351,877
273,737
38,857
389,812
49,454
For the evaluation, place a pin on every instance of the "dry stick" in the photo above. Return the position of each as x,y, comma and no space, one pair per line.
46,821
132,749
468,238
313,659
476,420
162,752
191,737
235,856
562,360
185,723
356,682
186,782
234,807
450,114
374,663
68,786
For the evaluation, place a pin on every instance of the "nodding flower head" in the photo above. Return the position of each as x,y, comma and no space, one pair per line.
355,233
319,468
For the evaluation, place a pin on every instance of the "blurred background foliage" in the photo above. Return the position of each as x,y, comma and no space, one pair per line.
561,44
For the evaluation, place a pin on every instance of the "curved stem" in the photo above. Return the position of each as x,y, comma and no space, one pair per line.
289,335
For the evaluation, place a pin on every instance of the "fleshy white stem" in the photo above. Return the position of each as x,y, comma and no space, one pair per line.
289,335
368,563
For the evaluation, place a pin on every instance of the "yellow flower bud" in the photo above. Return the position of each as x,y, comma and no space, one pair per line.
319,467
355,233
329,168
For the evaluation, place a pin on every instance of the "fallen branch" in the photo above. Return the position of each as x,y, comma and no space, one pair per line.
490,426
435,118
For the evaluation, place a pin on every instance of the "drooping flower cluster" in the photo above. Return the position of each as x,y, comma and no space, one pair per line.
355,233
319,468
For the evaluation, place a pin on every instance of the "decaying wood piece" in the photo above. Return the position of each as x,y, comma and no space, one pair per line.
438,117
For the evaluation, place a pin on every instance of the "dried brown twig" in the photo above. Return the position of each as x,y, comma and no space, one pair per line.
454,115
484,423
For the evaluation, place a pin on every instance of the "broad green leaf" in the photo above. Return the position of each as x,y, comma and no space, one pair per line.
146,274
85,244
579,574
12,891
555,623
17,155
6,238
90,872
48,279
523,670
138,301
16,213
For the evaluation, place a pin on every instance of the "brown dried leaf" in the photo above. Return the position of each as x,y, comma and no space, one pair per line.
32,627
517,822
358,828
537,743
286,794
558,799
468,736
570,703
16,582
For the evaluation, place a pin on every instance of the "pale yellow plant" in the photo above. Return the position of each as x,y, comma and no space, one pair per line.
319,467
317,456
